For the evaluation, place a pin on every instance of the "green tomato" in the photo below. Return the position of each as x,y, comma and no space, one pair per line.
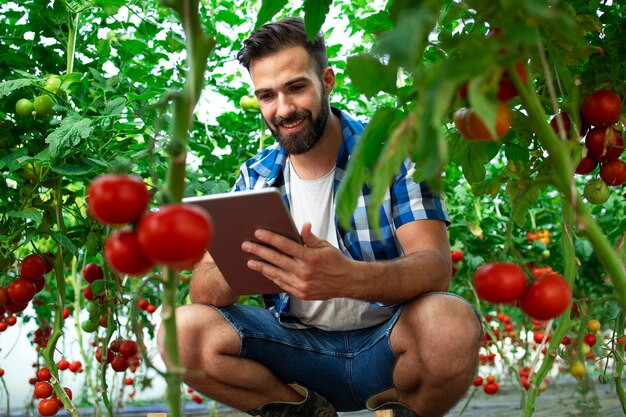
92,307
24,107
596,191
545,254
52,84
249,103
43,105
89,326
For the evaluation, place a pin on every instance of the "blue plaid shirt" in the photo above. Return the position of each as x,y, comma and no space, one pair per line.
404,202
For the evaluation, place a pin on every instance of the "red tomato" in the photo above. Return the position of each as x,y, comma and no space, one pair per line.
33,267
478,381
75,366
491,388
43,374
601,108
143,304
4,296
49,258
63,365
500,282
48,407
506,88
128,381
472,127
119,364
613,172
590,339
565,120
546,297
14,307
176,235
21,291
604,143
124,254
68,392
66,312
92,272
117,199
586,165
456,255
43,389
128,348
98,355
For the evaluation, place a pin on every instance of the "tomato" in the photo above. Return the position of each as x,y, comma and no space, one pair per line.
613,172
4,296
596,191
604,143
24,107
48,407
75,366
117,199
491,379
21,291
601,108
500,282
506,88
98,354
66,313
33,267
586,165
123,253
128,381
491,388
43,374
49,258
92,272
176,235
63,364
249,103
53,82
456,255
128,348
15,307
565,120
590,339
119,364
547,297
68,392
577,369
89,325
43,389
143,304
472,127
478,381
43,105
593,325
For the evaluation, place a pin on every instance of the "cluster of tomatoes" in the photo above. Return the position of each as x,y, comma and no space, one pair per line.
75,367
603,142
547,297
50,402
542,236
42,104
489,384
457,260
472,127
194,396
176,235
20,291
145,305
121,354
96,294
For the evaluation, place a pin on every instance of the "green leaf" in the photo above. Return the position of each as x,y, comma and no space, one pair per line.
12,85
110,7
472,157
371,76
364,156
68,135
376,23
315,12
269,8
523,197
64,241
516,152
115,106
30,214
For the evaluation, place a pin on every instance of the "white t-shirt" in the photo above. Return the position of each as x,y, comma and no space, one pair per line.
313,201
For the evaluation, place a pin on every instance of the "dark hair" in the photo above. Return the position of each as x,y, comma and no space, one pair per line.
276,36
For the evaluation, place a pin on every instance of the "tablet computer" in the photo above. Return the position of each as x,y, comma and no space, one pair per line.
236,215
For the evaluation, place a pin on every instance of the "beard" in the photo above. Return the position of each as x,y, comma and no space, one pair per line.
305,139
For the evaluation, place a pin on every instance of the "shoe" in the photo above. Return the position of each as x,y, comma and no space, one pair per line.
387,400
313,405
397,409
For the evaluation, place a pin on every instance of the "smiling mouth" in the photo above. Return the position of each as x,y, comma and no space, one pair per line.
292,125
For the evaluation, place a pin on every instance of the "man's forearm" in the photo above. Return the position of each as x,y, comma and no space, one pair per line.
401,279
208,286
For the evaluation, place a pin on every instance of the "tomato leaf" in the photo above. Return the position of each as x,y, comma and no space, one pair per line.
370,76
30,214
115,107
376,23
110,7
315,12
472,157
64,241
269,8
68,135
11,85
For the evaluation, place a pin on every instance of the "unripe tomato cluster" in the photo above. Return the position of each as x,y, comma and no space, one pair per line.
42,104
176,235
603,143
19,293
548,296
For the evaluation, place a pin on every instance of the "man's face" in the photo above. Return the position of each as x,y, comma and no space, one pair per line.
292,99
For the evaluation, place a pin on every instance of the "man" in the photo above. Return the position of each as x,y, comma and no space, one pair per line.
364,321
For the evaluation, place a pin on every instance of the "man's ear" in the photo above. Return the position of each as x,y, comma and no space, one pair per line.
328,80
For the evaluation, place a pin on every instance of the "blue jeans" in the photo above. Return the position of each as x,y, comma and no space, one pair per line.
346,367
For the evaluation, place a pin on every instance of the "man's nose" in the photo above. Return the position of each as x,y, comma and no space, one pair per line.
286,106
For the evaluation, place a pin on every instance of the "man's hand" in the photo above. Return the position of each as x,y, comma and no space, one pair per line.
313,271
